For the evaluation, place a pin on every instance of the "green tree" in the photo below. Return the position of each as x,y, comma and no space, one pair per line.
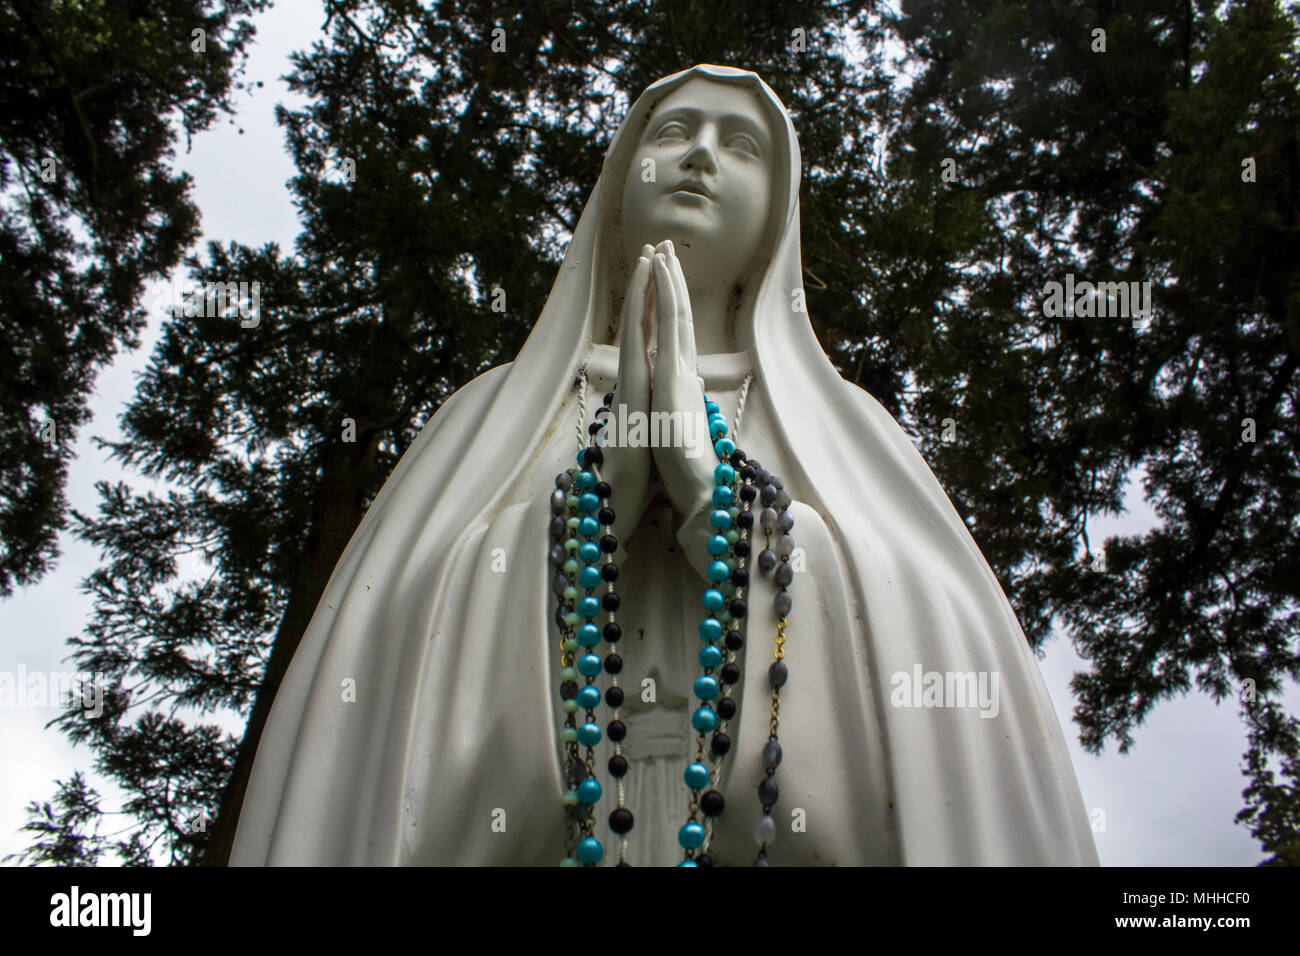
1143,141
93,96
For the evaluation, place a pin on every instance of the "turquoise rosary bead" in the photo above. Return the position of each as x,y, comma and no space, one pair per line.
586,481
711,407
704,719
590,850
691,836
589,734
706,687
589,697
719,545
723,447
589,576
588,791
722,497
697,776
588,666
710,656
589,527
718,571
588,503
724,474
588,634
588,607
714,599
720,520
589,552
710,629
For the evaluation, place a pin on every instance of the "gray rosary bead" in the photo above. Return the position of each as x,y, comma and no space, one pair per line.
766,560
781,603
559,527
558,501
784,575
563,480
767,494
785,521
560,582
558,555
782,501
768,791
771,755
785,546
768,520
778,674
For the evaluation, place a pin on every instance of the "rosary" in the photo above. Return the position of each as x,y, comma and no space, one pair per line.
582,549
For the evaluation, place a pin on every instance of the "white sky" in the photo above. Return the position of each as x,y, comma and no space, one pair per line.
1171,801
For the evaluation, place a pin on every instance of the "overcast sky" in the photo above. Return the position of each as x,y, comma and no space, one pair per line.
1171,800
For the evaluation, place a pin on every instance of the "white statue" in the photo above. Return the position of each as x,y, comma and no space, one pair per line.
419,721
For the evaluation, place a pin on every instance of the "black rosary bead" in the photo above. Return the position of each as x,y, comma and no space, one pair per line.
614,697
617,730
609,601
730,673
617,765
620,821
605,515
609,397
711,803
609,544
613,664
745,520
735,640
741,548
612,631
704,860
727,708
609,571
593,456
721,744
748,493
603,491
738,607
768,791
738,458
568,690
740,577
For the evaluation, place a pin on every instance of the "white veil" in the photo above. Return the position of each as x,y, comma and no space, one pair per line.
444,662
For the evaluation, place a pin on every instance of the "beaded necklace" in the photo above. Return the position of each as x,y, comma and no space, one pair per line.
582,549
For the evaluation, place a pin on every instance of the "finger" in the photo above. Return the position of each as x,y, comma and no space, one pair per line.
634,309
666,308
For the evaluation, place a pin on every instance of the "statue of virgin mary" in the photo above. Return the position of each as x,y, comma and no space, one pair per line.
419,721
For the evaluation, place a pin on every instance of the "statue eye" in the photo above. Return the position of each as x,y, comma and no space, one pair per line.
745,143
672,130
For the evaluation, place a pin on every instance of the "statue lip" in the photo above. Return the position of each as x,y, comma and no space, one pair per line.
693,186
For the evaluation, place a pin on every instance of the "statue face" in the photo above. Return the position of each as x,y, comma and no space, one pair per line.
710,192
